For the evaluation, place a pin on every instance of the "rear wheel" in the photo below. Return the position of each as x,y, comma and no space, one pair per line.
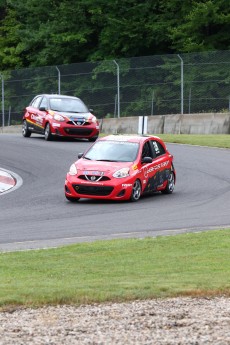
136,191
170,184
48,135
25,131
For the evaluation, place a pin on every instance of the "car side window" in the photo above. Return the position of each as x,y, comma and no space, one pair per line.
35,103
44,103
146,151
158,149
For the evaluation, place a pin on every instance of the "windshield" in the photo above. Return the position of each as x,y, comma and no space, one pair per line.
69,105
113,151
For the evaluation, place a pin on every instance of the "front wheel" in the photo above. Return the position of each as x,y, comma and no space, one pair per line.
72,199
136,191
170,184
25,131
48,135
93,139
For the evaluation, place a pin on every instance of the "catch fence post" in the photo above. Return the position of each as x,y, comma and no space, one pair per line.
118,89
182,84
3,110
59,80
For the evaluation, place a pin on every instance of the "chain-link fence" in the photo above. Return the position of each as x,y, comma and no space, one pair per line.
152,85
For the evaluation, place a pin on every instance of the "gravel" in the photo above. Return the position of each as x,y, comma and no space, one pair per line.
171,321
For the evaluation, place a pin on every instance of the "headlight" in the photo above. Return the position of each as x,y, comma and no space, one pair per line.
58,117
94,119
73,170
124,172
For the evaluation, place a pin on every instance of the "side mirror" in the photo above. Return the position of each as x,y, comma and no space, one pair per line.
146,160
42,108
80,155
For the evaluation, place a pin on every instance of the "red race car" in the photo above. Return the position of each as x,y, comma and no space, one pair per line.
60,116
119,167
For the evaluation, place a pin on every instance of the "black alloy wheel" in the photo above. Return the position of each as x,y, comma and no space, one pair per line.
170,184
136,191
48,135
25,131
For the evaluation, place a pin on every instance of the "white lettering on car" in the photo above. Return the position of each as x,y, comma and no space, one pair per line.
38,119
156,167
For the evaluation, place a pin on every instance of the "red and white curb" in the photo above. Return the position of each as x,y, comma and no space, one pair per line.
8,181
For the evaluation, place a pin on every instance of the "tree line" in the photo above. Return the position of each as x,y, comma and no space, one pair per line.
56,32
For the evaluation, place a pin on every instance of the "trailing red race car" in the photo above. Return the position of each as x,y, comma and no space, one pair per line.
120,167
60,116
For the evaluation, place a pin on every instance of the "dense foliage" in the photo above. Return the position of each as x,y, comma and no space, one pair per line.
49,32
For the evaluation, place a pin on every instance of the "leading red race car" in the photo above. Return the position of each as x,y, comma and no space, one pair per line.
59,116
119,167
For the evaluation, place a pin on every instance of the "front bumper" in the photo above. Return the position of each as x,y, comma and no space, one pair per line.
66,130
107,190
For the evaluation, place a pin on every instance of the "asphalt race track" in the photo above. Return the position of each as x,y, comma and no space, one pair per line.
37,215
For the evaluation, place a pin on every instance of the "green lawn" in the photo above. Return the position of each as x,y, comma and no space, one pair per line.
118,270
212,140
220,140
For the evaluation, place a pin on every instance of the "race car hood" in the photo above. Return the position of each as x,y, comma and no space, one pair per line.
75,116
101,166
72,116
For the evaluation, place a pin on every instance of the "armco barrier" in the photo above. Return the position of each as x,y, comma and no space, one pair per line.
214,123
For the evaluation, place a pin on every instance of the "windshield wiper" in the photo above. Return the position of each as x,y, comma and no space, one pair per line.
87,158
106,160
74,111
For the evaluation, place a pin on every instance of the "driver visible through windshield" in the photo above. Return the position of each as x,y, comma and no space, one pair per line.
68,105
113,151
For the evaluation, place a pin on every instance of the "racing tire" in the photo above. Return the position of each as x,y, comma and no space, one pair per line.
136,191
92,139
170,184
47,133
72,199
25,130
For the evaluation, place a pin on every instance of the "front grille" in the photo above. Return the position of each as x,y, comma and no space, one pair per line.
78,131
103,178
81,123
93,190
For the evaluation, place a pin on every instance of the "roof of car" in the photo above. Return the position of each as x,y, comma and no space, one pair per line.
49,95
131,138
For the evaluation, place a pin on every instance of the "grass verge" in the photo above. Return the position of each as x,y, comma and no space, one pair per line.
119,270
212,140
